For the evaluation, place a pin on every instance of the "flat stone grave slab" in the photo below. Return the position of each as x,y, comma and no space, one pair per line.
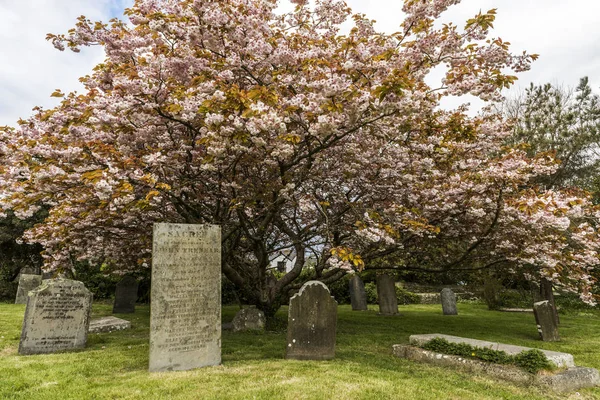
108,324
561,360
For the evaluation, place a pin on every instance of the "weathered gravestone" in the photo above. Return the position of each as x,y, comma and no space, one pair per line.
125,295
312,320
448,302
249,319
56,318
26,283
185,320
358,296
386,295
546,321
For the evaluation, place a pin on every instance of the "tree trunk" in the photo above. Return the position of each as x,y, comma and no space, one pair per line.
547,294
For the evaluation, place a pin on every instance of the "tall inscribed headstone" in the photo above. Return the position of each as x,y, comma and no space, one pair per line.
185,318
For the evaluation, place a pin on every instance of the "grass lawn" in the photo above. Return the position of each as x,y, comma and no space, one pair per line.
114,365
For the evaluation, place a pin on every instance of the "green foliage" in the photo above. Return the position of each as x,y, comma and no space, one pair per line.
371,292
100,283
531,361
403,295
340,289
566,122
406,297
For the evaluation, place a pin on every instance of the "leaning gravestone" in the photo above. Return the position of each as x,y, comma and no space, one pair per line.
546,321
56,318
386,295
248,319
185,320
312,320
358,296
26,283
448,302
125,295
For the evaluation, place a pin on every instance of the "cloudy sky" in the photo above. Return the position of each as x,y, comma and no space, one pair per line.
565,34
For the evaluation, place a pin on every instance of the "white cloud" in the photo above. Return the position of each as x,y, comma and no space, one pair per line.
564,33
30,67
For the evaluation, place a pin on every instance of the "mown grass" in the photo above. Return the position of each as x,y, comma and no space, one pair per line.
114,365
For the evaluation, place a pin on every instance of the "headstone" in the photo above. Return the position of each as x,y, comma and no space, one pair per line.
249,319
386,295
448,302
56,318
26,283
312,320
546,321
125,295
358,296
185,318
108,324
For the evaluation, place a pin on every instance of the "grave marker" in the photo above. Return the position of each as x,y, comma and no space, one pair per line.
546,321
185,320
56,318
27,282
358,296
312,320
125,295
386,295
448,302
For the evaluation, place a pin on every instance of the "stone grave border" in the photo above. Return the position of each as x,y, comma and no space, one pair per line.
570,379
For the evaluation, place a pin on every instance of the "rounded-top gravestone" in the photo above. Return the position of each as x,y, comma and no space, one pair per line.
448,302
312,320
358,296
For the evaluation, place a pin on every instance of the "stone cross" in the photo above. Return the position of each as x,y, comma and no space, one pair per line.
546,321
26,283
125,295
386,295
358,296
312,320
185,319
448,302
57,317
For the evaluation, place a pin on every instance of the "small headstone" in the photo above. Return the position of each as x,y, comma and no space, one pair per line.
386,295
108,324
249,319
312,320
546,321
26,283
56,318
448,302
185,320
358,296
125,295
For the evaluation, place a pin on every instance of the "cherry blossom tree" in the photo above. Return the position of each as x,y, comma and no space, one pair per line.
291,134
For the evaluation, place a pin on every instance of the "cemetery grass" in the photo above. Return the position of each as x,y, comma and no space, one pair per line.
114,365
